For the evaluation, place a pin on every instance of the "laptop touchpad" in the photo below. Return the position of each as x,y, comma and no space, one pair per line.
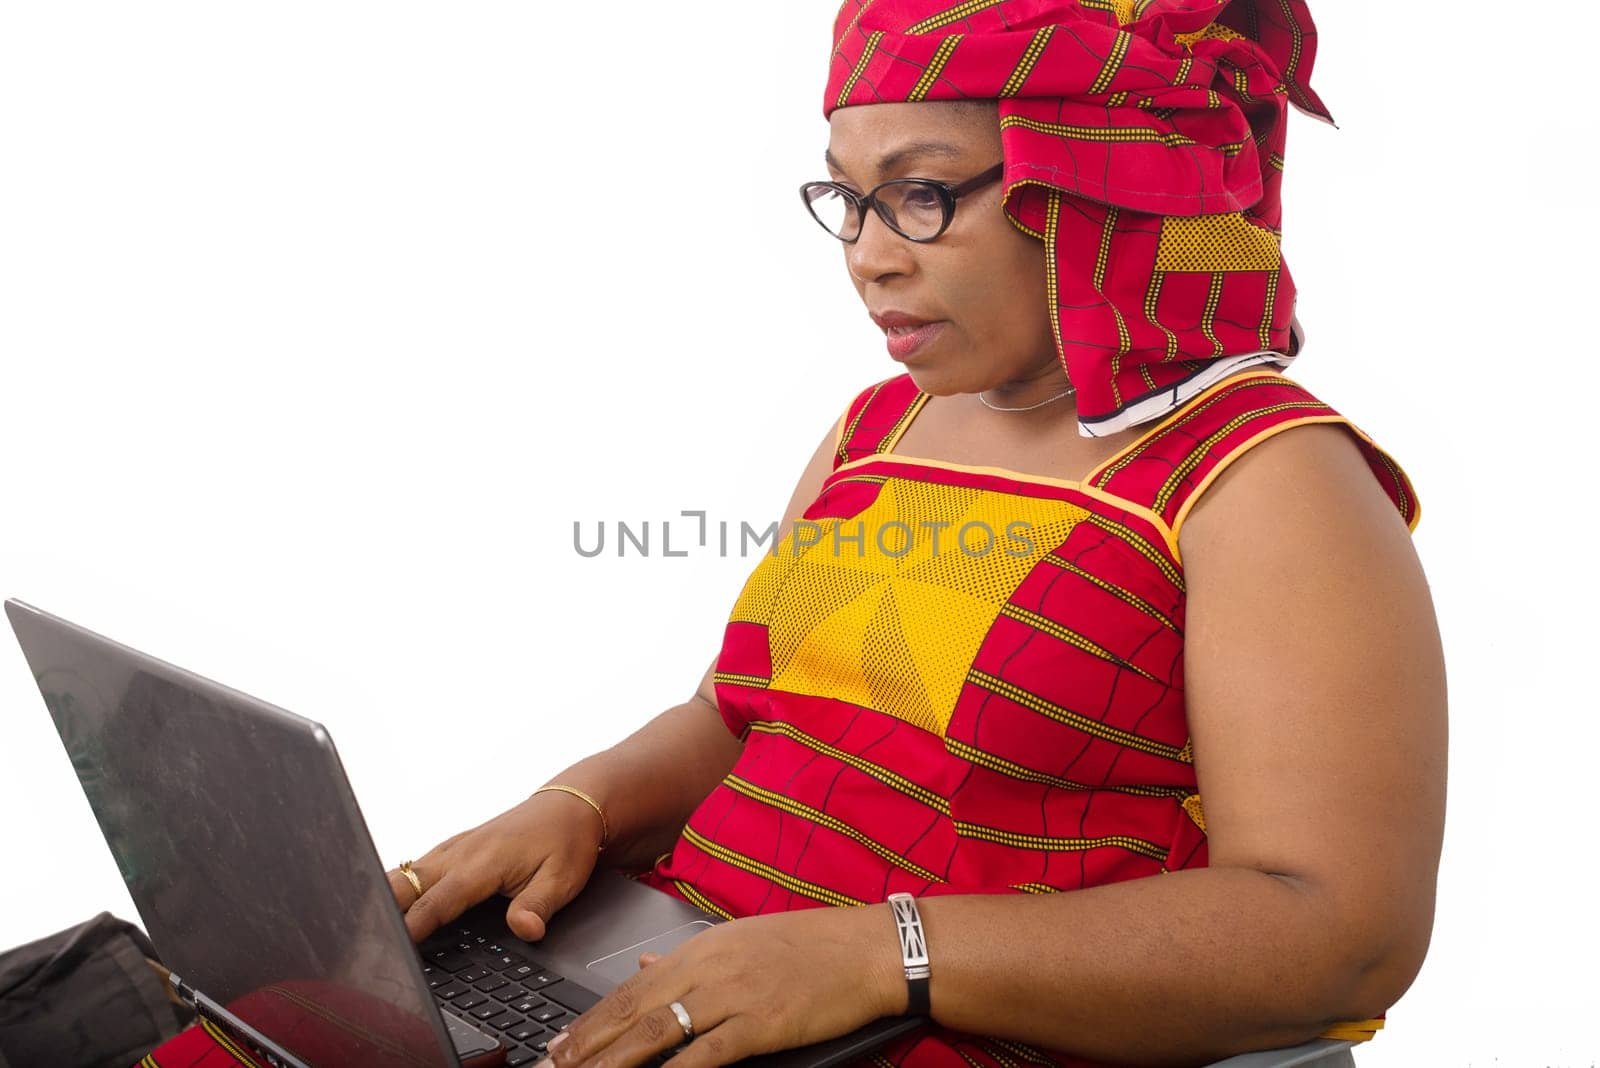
622,964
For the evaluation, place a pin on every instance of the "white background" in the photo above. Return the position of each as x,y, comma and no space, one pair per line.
322,323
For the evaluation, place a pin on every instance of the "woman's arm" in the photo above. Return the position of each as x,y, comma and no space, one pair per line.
1315,690
648,783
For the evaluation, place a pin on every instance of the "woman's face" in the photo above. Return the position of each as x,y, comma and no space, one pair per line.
983,278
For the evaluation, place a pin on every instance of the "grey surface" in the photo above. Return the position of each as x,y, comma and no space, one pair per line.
1319,1053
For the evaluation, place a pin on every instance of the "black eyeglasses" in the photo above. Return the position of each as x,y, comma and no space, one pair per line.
919,209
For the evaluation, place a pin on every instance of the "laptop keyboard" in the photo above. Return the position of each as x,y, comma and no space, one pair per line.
501,990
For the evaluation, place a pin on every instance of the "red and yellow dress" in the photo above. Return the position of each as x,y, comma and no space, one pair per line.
958,680
922,715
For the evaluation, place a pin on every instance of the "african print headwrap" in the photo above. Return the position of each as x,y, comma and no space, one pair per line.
1143,142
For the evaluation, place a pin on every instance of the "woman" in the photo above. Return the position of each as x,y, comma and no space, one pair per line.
1178,600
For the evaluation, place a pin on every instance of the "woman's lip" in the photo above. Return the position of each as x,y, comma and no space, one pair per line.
901,346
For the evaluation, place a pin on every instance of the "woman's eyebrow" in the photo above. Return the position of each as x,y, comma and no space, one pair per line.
914,150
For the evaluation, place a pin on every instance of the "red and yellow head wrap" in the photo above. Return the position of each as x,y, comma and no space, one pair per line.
1143,144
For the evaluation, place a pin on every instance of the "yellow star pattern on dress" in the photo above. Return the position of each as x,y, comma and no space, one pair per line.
885,613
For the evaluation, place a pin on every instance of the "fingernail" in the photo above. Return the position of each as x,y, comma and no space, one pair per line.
544,1063
554,1042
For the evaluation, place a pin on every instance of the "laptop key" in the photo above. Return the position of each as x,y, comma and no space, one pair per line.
511,992
528,1031
471,1001
540,979
529,1004
504,960
487,1010
550,1016
490,984
573,997
448,959
451,991
519,1056
506,1021
472,974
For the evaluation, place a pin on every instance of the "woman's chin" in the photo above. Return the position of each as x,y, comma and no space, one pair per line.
935,380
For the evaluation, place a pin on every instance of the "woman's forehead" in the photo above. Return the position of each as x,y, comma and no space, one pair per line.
877,138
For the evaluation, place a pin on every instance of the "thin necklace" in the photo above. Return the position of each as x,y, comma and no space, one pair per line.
994,407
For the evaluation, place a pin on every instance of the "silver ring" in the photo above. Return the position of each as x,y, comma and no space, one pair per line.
683,1019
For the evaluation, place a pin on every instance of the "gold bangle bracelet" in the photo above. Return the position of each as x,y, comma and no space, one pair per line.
605,831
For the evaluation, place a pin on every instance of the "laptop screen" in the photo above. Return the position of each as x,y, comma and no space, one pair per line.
234,827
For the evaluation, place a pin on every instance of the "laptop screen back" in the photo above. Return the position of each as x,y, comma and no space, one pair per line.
234,827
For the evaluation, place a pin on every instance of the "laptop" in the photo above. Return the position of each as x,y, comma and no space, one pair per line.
243,848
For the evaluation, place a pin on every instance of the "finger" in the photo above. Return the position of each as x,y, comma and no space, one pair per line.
404,893
440,903
732,1040
547,893
635,1021
647,958
650,1033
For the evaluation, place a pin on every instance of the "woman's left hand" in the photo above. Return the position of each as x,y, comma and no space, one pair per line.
753,985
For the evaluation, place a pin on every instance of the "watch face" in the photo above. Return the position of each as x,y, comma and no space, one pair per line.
908,924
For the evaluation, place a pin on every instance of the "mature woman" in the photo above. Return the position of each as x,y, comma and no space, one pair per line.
1061,607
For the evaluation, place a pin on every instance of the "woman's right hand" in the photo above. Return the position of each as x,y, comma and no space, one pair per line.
540,853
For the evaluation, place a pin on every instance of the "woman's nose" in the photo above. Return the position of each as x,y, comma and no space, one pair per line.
877,251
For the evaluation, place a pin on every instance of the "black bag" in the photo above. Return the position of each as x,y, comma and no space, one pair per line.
85,997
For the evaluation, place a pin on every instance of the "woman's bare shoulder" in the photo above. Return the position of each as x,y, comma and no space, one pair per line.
1313,476
1315,690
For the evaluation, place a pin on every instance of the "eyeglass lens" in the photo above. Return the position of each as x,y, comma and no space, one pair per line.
913,208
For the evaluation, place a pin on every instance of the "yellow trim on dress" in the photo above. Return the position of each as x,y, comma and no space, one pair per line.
1182,410
1083,485
1354,1031
1096,492
1254,439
